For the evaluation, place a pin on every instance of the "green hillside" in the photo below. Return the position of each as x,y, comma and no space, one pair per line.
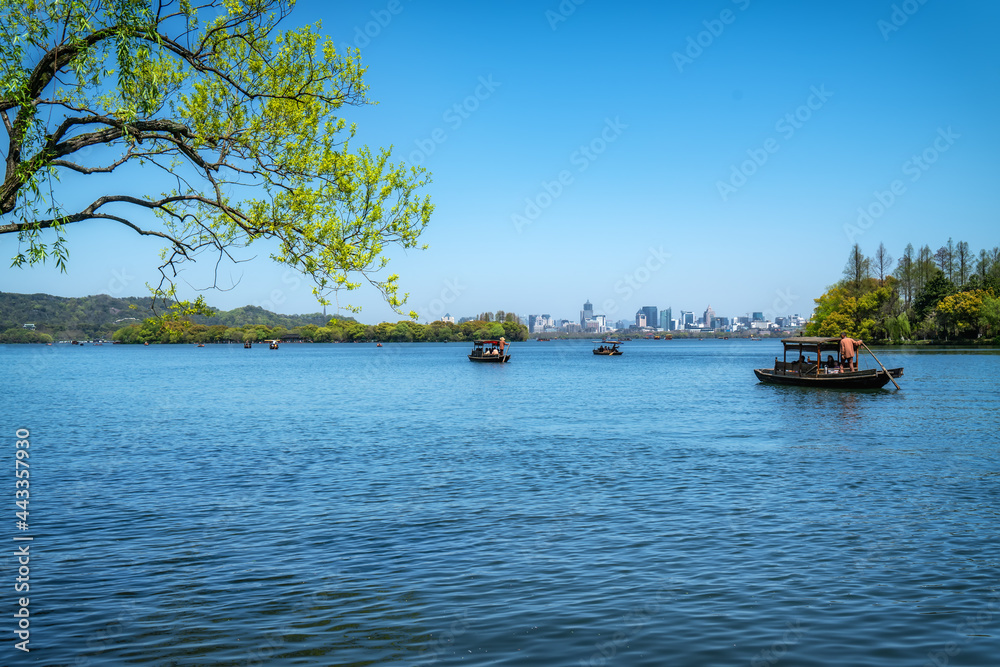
100,315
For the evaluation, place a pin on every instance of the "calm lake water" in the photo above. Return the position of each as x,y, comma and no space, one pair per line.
347,505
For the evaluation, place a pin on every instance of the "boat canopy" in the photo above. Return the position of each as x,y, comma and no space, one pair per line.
809,340
486,342
812,342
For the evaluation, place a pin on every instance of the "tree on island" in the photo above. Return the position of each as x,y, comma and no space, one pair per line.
210,129
918,299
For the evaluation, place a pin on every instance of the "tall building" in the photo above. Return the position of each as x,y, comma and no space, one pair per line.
531,323
707,317
587,313
687,317
650,313
758,317
640,318
665,316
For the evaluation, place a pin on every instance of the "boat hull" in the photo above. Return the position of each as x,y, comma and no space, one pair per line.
490,359
608,354
867,379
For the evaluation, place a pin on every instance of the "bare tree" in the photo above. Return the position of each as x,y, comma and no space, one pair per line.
858,267
882,263
905,273
945,258
963,263
925,267
982,264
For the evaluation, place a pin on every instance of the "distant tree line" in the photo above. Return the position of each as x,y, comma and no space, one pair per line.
160,330
948,294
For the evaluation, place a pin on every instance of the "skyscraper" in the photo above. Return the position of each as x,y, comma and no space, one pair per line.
707,318
587,313
650,313
665,316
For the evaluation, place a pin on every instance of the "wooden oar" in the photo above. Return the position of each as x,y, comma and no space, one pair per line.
879,363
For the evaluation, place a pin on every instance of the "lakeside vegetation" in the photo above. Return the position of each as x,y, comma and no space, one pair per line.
950,295
154,330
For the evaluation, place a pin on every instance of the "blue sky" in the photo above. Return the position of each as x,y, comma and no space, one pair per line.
712,153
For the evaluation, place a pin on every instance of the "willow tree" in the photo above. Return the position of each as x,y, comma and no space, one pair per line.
201,124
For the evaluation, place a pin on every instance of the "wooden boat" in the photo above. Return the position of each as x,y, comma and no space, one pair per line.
808,371
608,348
489,351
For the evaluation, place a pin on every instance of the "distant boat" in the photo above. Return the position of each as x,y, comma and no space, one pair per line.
608,348
809,371
493,354
378,344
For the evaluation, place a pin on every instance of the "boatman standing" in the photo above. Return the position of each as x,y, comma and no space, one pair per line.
848,351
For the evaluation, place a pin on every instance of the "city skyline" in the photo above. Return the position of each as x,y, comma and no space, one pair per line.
652,317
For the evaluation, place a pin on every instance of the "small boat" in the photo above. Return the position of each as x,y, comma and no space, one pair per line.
201,345
608,348
247,345
378,344
489,351
807,371
272,344
544,340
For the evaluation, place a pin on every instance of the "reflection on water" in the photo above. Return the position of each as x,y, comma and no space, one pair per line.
324,505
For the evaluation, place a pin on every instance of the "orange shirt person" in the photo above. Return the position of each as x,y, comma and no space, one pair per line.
848,351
